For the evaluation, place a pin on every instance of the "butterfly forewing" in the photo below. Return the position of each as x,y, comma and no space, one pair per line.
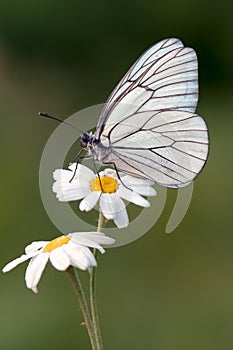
147,59
165,76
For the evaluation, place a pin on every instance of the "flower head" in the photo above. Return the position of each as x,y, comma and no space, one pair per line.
63,251
79,182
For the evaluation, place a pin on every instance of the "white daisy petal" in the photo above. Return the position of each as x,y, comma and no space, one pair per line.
71,193
144,190
61,175
133,197
90,201
113,207
135,181
89,256
107,204
35,269
80,256
67,190
91,244
59,259
12,264
82,172
91,239
35,246
139,186
109,172
121,219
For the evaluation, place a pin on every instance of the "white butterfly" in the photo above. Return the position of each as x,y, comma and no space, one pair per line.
148,127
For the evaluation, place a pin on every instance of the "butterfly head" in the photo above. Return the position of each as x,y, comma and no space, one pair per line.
85,139
88,140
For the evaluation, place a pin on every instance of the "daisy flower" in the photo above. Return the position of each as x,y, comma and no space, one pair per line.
79,182
63,251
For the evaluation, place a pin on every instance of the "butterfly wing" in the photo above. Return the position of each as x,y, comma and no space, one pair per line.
148,122
169,147
164,77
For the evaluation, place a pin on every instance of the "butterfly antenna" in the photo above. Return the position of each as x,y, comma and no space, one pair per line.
46,115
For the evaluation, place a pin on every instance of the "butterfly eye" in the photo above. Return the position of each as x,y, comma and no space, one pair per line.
84,140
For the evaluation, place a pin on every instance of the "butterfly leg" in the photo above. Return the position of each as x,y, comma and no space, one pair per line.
117,172
96,171
76,160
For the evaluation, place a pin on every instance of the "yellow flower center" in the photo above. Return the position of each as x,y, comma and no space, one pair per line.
105,184
56,243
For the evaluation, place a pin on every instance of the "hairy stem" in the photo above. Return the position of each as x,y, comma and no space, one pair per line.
83,304
94,312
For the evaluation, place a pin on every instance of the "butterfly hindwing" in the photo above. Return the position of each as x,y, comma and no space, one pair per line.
169,147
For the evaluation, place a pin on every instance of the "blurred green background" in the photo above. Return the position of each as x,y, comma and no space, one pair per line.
163,291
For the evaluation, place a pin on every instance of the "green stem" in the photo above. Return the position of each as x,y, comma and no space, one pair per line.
94,312
83,304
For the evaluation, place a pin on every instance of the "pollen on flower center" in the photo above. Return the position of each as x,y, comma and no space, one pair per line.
56,243
105,184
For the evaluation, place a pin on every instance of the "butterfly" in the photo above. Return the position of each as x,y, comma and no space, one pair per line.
148,127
